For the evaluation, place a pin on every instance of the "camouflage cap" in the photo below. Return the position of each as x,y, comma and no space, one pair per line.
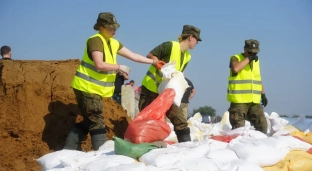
188,29
107,20
252,46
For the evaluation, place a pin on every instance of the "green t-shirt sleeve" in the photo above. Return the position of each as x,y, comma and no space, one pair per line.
95,44
163,51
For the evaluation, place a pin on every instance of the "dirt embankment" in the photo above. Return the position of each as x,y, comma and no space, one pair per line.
38,109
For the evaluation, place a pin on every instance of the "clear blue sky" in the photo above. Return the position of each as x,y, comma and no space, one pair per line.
57,30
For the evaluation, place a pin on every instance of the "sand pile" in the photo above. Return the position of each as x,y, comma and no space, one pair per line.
38,109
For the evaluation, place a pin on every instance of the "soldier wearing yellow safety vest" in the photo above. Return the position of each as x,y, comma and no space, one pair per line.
169,51
95,79
245,89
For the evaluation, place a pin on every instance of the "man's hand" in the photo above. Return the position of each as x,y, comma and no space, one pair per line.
264,100
253,57
124,68
158,63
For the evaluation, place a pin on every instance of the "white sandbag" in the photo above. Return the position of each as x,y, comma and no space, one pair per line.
172,137
62,169
200,164
52,160
225,155
163,157
287,143
225,124
196,152
277,123
76,161
237,165
108,145
106,161
246,131
267,118
214,144
256,151
173,79
133,167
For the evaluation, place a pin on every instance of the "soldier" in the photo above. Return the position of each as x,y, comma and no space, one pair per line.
169,51
245,89
95,78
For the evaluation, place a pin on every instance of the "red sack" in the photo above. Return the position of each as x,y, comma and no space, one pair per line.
150,125
223,138
146,130
158,108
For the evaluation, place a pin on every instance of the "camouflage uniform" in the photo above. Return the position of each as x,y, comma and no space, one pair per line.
91,105
253,112
239,112
174,114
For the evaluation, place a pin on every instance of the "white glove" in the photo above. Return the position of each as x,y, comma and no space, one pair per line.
124,68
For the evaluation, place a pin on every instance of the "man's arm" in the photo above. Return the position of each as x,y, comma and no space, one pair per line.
262,92
237,66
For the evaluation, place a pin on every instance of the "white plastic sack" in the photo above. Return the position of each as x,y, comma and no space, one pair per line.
163,158
52,160
225,124
173,79
246,131
133,167
62,169
256,151
225,155
106,161
200,164
277,123
287,143
237,165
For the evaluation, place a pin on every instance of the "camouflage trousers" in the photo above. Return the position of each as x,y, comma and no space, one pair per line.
239,112
91,108
174,114
184,108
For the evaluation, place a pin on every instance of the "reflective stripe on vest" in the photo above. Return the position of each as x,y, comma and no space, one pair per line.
89,79
154,77
246,86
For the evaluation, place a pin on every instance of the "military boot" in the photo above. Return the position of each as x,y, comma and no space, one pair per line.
183,135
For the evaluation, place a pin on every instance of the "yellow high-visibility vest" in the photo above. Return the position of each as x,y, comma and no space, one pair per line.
89,79
154,77
246,85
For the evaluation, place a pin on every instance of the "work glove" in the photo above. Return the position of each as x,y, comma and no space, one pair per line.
158,63
124,68
253,57
264,100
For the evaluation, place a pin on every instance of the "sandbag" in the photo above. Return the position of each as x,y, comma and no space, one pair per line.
150,125
256,151
294,161
305,137
129,149
147,131
173,79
